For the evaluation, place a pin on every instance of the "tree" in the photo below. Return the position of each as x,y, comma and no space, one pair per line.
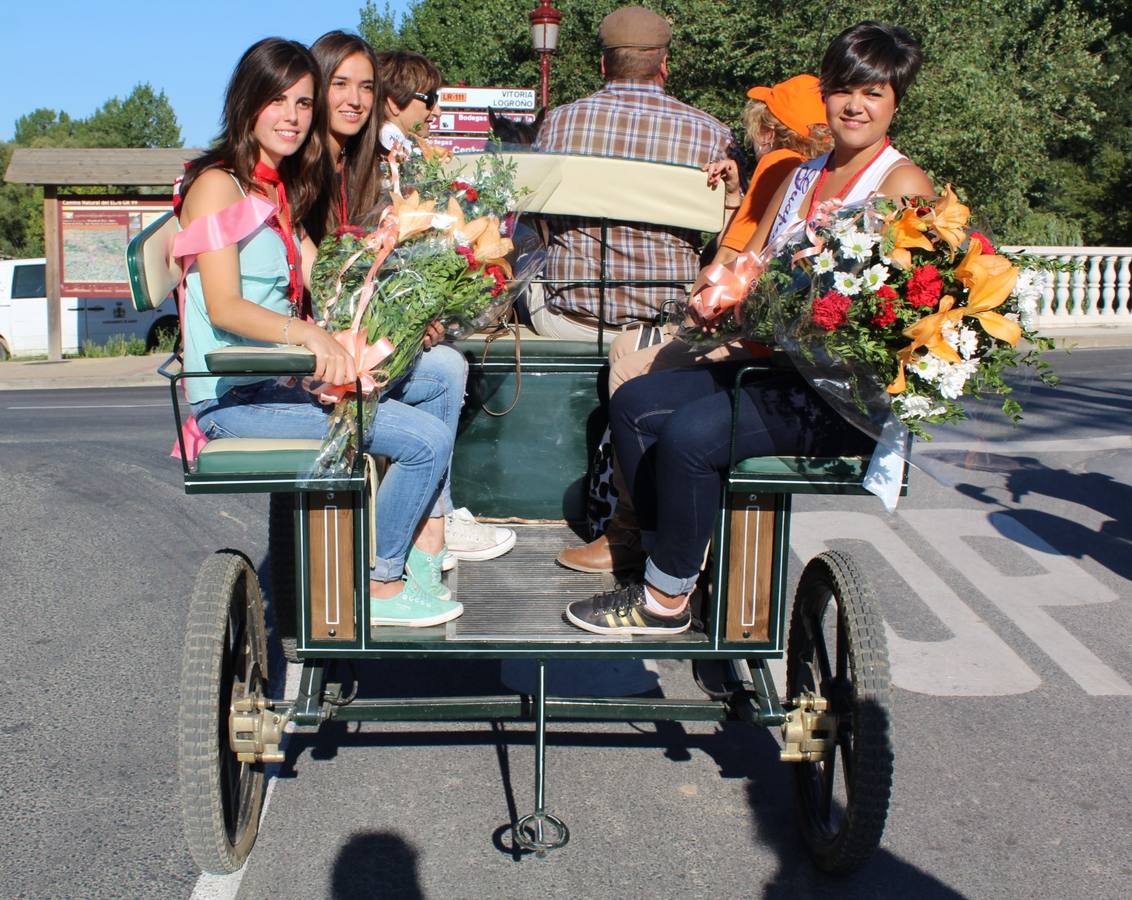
1022,104
144,119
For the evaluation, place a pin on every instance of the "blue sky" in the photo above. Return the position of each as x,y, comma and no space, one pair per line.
74,56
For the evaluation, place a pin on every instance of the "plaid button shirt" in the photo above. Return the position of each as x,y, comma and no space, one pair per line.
632,120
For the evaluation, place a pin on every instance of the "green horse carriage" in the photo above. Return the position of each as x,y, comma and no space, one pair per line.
833,710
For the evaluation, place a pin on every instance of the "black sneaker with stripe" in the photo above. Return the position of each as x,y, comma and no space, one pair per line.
623,611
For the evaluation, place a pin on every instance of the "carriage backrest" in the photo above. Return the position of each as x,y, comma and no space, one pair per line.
621,190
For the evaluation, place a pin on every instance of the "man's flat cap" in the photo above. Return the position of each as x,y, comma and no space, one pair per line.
634,26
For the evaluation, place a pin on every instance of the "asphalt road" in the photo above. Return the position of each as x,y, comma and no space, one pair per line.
1005,589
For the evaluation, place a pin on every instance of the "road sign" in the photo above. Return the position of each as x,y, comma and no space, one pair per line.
522,99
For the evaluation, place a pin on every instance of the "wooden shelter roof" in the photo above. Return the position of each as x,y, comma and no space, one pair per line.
87,166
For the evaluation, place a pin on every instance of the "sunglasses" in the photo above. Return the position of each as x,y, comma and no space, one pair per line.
428,99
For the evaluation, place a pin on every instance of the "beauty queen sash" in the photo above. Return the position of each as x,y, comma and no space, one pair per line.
212,232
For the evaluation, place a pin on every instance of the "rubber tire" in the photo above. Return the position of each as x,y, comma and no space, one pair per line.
221,799
858,687
281,570
5,355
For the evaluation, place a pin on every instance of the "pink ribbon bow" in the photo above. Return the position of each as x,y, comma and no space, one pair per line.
727,286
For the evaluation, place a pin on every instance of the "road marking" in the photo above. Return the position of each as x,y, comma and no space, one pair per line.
1006,448
1056,581
973,662
90,406
226,887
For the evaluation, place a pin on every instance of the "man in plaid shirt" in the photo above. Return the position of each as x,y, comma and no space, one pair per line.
631,117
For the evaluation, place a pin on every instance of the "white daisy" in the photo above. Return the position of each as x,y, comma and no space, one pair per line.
857,245
875,276
847,283
824,262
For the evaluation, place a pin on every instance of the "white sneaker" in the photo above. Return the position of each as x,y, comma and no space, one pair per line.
468,539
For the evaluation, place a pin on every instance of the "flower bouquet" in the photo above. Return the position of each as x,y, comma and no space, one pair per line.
889,308
377,289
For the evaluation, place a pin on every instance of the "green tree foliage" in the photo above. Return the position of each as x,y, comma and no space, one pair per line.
144,118
1022,104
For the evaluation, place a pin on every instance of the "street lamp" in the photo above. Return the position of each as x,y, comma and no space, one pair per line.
544,38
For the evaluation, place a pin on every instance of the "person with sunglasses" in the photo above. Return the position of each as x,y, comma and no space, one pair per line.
411,85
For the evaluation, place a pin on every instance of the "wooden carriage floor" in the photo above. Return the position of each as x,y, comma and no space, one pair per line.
522,595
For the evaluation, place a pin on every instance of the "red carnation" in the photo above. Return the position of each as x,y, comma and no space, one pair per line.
343,230
988,247
468,255
887,293
925,286
829,311
471,194
885,314
500,280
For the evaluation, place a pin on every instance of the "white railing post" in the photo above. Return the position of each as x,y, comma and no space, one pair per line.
1097,292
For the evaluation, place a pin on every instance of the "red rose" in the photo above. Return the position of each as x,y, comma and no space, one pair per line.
471,195
925,286
885,314
887,293
988,247
468,255
829,311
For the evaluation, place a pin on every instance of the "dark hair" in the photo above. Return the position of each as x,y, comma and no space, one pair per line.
267,69
403,73
871,53
363,180
632,63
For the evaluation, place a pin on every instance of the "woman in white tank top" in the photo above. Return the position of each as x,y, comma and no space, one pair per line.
861,99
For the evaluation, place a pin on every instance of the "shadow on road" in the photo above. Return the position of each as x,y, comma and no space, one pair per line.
1110,545
375,864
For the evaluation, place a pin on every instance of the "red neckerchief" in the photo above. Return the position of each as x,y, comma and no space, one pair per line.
282,224
343,208
844,192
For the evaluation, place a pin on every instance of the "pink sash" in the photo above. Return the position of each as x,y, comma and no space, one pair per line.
212,232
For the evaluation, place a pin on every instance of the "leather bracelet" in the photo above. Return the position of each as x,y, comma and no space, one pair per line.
287,329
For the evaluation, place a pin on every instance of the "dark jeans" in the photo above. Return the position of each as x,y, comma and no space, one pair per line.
672,434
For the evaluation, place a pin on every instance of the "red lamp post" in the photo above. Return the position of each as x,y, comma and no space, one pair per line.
544,38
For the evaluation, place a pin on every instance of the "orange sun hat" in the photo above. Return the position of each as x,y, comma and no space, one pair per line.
797,102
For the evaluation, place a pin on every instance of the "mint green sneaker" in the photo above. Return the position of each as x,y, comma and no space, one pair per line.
424,569
413,608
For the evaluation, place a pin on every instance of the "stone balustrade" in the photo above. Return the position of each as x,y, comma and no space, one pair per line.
1096,293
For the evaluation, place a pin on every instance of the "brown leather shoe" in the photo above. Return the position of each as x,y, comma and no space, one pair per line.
623,553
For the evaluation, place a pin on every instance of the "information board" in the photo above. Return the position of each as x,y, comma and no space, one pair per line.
93,235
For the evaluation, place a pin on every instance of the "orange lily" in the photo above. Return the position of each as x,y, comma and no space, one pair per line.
908,229
431,151
491,247
949,218
989,279
413,217
928,333
462,231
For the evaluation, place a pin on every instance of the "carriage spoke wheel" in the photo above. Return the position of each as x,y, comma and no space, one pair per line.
837,650
281,570
225,659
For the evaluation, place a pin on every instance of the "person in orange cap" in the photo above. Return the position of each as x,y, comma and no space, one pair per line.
786,125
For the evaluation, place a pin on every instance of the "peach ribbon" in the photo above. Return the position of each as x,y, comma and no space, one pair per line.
727,285
367,357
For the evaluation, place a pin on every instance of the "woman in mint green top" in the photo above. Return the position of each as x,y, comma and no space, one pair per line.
249,290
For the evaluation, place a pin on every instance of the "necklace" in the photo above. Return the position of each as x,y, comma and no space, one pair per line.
844,192
283,225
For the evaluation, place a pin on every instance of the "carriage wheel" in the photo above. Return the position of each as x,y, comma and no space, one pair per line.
225,659
837,650
281,570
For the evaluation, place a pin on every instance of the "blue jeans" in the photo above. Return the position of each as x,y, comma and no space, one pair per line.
672,435
415,428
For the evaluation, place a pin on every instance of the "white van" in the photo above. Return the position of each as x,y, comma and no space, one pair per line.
23,314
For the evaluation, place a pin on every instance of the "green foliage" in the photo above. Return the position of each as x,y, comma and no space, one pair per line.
118,345
1022,104
143,119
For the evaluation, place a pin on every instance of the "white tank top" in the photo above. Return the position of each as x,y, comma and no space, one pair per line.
803,178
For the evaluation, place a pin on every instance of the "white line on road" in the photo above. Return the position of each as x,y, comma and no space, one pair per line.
90,406
1005,448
